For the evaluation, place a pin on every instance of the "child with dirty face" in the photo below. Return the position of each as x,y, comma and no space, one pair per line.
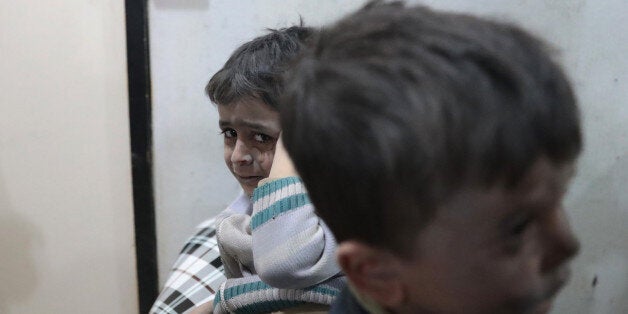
268,250
279,241
438,148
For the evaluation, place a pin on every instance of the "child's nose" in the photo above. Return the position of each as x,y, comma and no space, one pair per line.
241,153
561,243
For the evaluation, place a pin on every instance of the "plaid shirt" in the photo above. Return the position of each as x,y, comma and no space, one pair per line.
199,273
196,275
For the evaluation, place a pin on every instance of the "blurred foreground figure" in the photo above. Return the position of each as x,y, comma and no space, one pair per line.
438,148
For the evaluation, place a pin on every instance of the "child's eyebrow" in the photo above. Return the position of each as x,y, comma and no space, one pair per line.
256,125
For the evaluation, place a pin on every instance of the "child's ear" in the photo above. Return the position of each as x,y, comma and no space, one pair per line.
374,272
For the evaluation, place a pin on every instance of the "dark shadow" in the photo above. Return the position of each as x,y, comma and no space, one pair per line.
19,239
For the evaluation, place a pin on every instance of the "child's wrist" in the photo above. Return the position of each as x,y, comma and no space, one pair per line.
271,179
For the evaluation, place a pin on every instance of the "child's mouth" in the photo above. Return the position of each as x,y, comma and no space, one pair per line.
250,179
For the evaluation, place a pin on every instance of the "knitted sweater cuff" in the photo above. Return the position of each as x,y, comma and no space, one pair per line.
276,197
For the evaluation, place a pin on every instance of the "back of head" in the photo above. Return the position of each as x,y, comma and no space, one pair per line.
255,68
395,108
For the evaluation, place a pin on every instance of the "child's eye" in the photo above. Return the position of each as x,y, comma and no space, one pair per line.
229,133
262,138
515,234
520,226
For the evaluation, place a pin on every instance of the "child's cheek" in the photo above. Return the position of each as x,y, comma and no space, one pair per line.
228,151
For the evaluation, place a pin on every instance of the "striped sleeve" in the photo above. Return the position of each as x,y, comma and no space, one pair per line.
292,246
251,295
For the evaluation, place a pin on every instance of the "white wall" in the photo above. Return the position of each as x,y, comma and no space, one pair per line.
66,215
190,40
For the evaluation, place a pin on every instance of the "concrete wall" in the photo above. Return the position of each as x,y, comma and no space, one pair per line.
66,215
191,39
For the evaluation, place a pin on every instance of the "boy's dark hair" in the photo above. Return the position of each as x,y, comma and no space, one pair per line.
395,109
255,68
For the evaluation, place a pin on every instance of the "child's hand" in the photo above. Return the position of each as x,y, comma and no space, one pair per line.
282,164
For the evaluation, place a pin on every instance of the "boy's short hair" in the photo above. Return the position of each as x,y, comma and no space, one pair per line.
395,109
255,68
